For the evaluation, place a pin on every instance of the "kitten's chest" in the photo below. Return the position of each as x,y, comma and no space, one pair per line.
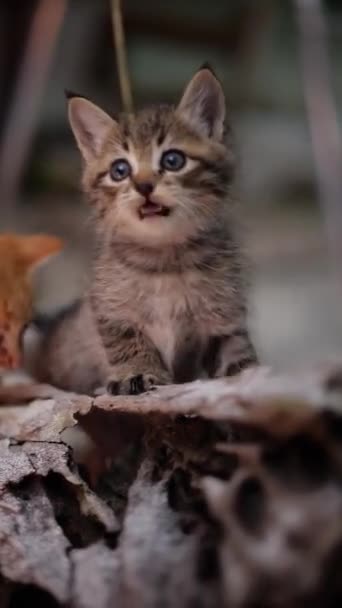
177,312
173,311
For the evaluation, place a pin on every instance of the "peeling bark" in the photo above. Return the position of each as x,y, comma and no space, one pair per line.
212,493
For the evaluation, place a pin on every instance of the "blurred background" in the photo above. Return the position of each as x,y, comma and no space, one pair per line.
279,61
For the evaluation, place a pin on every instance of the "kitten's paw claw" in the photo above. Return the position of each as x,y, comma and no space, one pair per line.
135,385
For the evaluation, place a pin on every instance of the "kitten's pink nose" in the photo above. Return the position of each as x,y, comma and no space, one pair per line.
144,188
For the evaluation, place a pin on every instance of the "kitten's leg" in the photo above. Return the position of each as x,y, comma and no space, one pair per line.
69,353
227,355
136,365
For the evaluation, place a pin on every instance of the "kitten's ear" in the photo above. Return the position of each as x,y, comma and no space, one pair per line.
203,104
90,126
36,248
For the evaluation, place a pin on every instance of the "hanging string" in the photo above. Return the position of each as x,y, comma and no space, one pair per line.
121,56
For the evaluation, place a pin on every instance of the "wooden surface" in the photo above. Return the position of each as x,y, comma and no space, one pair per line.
213,493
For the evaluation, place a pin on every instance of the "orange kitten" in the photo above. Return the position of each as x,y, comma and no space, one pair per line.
19,255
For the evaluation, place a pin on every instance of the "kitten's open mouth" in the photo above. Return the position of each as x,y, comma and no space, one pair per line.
150,209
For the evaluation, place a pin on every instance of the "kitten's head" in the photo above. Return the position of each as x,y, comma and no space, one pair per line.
160,176
19,256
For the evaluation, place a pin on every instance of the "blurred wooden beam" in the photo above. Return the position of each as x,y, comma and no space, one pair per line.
323,120
13,33
121,55
24,110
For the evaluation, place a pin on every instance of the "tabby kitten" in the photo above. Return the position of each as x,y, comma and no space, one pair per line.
167,299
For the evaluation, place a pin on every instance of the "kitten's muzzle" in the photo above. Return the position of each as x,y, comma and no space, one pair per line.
151,208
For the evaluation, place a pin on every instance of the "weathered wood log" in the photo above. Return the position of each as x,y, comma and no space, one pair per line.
215,493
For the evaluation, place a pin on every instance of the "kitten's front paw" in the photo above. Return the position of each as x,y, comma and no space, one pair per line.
135,385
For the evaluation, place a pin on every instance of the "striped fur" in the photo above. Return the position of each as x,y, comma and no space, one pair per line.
167,294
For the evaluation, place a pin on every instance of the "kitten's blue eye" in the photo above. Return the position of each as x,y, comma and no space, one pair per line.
120,169
172,160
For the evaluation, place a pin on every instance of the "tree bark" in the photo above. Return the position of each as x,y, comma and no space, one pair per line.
212,493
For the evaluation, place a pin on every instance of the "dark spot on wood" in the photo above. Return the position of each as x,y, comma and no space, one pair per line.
163,461
207,567
247,433
156,474
179,490
196,432
250,504
23,490
81,530
301,462
30,595
218,465
182,496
